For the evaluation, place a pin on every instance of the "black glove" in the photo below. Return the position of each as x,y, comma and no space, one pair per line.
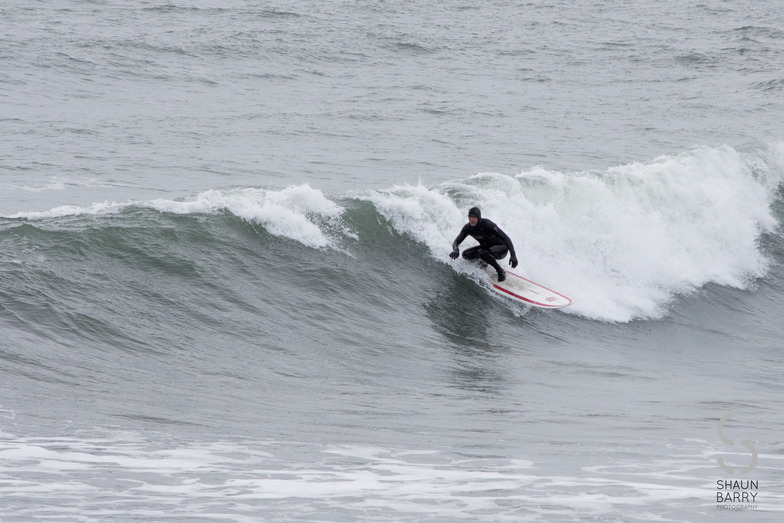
454,254
513,261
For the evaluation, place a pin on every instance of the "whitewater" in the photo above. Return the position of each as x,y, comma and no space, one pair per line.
225,284
625,242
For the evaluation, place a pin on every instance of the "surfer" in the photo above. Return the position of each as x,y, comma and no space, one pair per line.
494,244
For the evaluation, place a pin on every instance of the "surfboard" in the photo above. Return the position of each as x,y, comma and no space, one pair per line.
531,293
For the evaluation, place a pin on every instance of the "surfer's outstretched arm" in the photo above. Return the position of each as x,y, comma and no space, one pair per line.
456,244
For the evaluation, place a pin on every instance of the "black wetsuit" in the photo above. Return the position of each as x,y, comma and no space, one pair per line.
494,244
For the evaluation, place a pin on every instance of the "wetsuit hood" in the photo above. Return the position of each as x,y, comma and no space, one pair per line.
474,211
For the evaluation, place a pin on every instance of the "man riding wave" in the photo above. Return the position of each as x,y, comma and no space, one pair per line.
494,244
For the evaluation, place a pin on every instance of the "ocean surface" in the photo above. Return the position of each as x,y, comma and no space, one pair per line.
225,290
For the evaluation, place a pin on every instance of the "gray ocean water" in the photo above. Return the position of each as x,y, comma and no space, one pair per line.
225,290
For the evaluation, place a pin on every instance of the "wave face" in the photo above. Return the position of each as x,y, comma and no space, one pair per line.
246,310
622,243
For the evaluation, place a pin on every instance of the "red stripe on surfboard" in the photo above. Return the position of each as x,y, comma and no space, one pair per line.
548,305
523,298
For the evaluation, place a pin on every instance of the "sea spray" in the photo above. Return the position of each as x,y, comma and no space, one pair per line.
292,212
297,212
621,242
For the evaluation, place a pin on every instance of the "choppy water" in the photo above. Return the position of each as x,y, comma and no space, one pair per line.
225,291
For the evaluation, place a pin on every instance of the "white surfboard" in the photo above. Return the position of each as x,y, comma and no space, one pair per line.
528,292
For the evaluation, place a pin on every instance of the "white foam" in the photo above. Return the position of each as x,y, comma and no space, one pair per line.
296,212
292,212
623,242
426,214
122,475
73,210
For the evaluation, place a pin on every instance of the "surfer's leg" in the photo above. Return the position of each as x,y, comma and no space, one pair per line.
486,256
490,257
499,252
472,253
496,252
